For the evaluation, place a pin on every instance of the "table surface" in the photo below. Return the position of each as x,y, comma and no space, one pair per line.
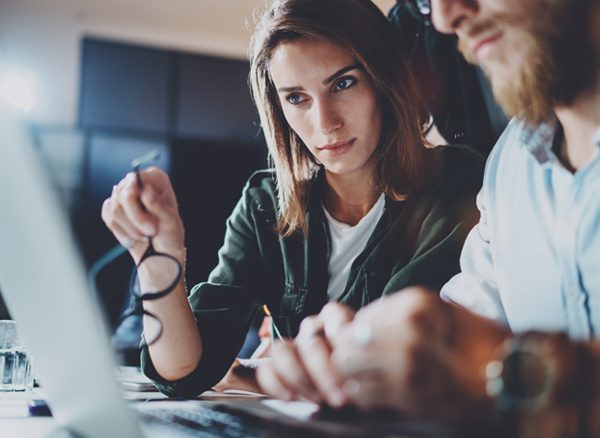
15,420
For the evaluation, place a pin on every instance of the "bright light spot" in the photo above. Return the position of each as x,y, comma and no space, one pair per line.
17,90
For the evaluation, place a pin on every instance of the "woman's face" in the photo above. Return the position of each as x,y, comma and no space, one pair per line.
329,102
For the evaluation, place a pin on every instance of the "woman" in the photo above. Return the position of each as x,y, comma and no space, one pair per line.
355,208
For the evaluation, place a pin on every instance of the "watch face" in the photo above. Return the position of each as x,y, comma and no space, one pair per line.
526,376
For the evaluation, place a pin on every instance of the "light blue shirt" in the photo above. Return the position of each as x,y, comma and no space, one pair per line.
533,261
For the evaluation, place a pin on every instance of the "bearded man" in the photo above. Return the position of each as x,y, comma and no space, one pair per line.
519,334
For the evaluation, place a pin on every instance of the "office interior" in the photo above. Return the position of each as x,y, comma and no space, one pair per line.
102,82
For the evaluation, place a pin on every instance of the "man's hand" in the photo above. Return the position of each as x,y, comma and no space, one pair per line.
413,353
302,369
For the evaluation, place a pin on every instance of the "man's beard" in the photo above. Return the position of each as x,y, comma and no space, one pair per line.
561,64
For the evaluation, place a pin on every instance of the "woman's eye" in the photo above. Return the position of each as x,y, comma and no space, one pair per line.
294,99
345,83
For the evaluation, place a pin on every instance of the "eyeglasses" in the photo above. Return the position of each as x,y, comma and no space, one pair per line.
156,274
420,8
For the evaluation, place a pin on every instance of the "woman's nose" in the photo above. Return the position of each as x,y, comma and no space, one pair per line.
327,117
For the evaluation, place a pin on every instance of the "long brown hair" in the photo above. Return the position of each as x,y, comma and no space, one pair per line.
361,28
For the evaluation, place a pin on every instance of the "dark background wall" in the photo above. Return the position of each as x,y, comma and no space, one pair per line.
198,111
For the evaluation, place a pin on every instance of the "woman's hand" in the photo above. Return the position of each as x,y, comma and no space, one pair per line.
302,369
413,353
133,214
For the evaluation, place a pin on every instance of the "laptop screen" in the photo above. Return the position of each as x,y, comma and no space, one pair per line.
45,288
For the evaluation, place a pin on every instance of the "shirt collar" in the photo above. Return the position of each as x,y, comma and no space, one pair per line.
540,139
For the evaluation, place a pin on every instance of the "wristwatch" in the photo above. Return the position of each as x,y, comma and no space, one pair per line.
523,376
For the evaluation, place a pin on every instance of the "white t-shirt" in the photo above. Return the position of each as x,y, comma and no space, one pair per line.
347,242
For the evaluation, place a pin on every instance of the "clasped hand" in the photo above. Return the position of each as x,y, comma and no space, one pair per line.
134,213
408,352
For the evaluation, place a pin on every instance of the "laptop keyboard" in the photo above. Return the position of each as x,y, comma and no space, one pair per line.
217,421
203,422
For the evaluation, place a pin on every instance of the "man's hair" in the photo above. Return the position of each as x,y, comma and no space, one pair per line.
361,28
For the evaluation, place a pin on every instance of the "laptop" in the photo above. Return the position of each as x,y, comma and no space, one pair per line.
43,282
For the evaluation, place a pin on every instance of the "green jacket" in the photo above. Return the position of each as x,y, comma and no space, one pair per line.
417,241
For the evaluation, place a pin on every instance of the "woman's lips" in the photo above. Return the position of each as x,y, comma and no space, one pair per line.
337,148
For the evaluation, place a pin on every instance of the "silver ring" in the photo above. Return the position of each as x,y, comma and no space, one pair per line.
351,387
362,334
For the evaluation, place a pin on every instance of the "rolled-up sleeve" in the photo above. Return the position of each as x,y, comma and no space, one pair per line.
475,287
